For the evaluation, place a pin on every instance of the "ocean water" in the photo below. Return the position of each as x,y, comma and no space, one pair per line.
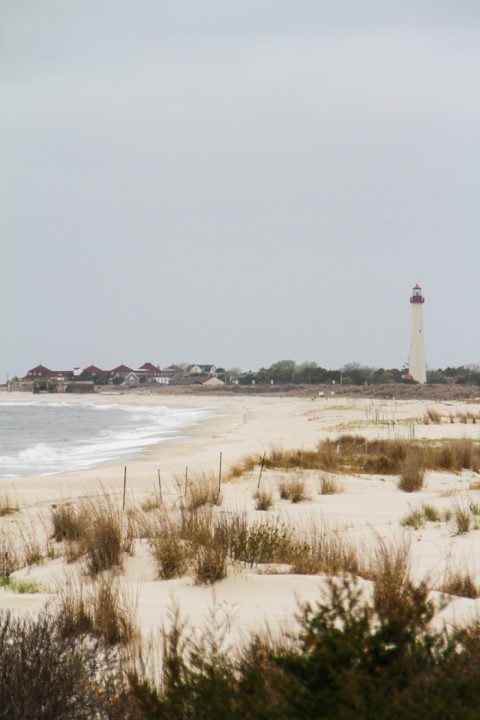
43,438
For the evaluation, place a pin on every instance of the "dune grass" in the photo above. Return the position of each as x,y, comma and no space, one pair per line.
411,478
263,499
101,610
94,529
203,490
7,505
389,568
414,519
329,485
327,551
462,517
460,583
354,454
293,489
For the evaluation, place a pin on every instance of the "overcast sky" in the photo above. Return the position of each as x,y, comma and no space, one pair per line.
238,181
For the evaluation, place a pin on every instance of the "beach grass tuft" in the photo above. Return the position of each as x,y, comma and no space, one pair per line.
460,583
7,505
101,610
389,568
263,499
293,489
462,517
411,477
329,485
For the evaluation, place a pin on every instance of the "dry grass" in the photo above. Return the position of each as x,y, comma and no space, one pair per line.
168,549
414,519
102,610
105,539
293,489
329,485
261,541
33,543
210,563
68,523
243,466
460,583
411,478
389,568
203,490
7,505
96,529
9,561
426,513
326,551
431,513
263,499
462,517
432,415
353,454
152,502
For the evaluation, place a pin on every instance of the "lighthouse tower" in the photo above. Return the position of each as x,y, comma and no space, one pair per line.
418,369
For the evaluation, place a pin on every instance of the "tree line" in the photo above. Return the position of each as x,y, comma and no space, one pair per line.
306,373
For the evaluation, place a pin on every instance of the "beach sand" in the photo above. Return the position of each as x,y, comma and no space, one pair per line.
368,507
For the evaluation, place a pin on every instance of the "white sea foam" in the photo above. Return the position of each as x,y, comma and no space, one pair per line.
55,437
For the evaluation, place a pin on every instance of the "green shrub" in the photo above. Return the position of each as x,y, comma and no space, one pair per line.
347,662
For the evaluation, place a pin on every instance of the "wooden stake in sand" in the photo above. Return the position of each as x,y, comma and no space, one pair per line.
159,484
220,472
261,470
186,479
124,486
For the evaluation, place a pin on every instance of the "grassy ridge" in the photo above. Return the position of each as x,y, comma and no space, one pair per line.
357,454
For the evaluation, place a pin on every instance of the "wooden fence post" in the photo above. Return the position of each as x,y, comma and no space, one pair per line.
124,486
261,470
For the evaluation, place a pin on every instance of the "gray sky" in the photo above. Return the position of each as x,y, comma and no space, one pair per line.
238,181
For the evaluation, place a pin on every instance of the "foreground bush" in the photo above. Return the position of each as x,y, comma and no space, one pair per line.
46,677
347,662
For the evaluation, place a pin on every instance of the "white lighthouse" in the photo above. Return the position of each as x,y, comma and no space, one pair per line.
417,369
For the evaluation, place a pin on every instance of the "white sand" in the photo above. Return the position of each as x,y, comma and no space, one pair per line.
367,507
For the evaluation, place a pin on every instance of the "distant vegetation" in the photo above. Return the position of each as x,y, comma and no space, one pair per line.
288,371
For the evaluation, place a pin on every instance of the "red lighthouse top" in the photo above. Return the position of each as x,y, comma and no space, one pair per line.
417,296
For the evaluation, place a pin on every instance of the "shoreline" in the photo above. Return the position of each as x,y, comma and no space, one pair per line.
365,507
238,425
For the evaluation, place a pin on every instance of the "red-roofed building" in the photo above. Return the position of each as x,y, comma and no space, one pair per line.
120,370
39,372
151,373
153,370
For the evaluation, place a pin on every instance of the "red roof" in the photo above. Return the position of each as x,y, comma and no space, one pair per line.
150,368
121,369
417,287
94,370
39,371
